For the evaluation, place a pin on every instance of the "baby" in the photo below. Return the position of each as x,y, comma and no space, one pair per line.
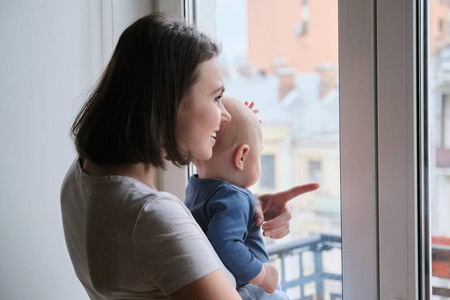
224,208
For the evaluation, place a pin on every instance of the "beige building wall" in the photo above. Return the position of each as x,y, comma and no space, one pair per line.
319,45
439,22
274,35
305,52
328,155
277,142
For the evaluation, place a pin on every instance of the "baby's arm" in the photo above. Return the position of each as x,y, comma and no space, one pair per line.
229,216
267,278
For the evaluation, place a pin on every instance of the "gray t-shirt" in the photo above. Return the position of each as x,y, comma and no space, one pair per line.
127,241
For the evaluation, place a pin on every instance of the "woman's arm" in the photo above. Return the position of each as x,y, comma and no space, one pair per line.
212,286
171,251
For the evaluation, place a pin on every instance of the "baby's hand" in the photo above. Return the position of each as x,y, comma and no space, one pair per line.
267,279
251,105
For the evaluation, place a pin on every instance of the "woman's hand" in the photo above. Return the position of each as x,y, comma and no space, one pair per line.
271,211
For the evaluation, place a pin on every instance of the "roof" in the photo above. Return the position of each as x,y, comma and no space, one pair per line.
311,118
263,90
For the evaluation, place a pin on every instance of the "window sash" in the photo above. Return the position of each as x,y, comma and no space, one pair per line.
378,58
398,148
358,148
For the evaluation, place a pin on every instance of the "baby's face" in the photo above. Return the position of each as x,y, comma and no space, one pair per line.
229,162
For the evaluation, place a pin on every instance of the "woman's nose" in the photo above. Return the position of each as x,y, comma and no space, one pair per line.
225,115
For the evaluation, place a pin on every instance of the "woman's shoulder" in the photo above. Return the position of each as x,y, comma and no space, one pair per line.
164,208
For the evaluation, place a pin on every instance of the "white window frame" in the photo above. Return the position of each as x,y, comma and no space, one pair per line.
379,137
399,149
174,179
359,191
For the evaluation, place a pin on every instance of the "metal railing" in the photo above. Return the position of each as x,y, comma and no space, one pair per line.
315,245
441,267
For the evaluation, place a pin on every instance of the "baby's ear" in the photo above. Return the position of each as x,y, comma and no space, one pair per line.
240,155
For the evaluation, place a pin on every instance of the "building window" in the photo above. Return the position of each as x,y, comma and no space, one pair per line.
441,25
267,180
266,62
445,124
314,171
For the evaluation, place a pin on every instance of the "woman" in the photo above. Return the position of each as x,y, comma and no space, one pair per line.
158,99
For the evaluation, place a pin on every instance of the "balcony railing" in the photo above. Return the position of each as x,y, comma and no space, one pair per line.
441,266
315,245
318,245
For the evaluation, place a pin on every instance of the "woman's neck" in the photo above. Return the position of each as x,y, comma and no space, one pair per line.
145,173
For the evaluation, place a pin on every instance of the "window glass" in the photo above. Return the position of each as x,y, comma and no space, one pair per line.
283,55
315,171
267,180
439,137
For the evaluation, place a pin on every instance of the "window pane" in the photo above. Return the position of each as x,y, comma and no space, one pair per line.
439,135
267,180
283,55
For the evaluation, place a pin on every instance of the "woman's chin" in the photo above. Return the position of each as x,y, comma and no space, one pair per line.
204,155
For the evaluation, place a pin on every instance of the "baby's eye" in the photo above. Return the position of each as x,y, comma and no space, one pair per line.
217,99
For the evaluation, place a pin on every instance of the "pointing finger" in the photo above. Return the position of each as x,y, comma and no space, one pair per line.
285,196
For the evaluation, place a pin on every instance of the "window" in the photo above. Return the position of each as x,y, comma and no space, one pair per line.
444,119
438,130
441,25
381,183
301,27
314,171
294,83
267,180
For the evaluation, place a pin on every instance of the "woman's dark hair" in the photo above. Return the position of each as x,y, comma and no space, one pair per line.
131,115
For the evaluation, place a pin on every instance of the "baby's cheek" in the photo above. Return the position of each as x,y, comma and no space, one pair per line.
256,175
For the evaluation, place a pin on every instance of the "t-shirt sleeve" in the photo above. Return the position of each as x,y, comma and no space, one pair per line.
230,211
169,248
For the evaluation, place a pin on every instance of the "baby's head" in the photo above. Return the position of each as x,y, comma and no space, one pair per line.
237,151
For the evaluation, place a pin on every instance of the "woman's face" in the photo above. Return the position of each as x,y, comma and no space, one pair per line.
201,113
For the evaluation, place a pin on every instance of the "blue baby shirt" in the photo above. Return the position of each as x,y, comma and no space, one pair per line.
225,212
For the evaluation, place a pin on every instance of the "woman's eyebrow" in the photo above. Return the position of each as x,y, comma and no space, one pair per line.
221,89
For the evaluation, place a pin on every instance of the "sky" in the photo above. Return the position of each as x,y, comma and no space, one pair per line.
231,17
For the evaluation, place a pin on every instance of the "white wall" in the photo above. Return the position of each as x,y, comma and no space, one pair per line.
49,54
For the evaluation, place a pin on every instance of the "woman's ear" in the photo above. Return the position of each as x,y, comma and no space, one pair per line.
240,155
